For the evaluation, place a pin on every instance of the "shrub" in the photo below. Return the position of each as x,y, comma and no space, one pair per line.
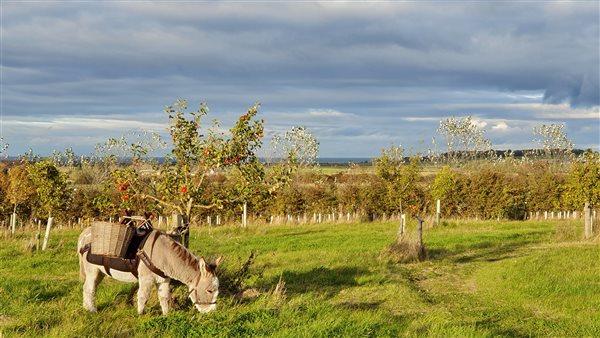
448,187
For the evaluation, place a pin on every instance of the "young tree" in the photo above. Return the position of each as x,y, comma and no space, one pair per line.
463,138
400,178
20,189
293,149
583,182
50,186
553,140
447,187
297,144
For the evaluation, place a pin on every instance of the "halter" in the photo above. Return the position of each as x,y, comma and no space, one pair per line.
201,303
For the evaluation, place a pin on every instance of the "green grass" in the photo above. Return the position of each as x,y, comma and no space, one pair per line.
481,279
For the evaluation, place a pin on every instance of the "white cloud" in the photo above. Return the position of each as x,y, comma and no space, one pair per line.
479,123
326,113
75,123
420,119
501,126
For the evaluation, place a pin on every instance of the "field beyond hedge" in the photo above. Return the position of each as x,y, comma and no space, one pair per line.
481,279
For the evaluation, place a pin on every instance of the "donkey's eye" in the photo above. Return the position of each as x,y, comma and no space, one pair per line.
209,291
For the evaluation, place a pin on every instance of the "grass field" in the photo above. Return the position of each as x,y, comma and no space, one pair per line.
481,279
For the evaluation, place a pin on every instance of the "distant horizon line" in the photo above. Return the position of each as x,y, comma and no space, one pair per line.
348,159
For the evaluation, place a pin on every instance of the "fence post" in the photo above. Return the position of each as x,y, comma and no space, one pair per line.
587,217
47,235
13,222
245,216
437,214
402,224
178,226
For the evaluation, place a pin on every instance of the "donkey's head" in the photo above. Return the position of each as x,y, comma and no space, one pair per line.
204,291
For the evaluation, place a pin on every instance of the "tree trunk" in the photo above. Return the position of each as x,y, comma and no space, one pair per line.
422,252
38,236
420,231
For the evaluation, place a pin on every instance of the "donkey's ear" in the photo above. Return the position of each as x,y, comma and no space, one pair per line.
202,264
219,261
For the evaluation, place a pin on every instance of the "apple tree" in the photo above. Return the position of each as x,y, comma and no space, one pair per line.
179,183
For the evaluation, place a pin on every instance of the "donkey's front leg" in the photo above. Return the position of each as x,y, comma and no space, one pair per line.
93,277
164,296
146,285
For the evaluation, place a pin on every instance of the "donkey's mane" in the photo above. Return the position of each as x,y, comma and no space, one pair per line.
186,256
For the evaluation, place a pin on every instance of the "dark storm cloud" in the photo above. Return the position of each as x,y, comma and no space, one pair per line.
373,63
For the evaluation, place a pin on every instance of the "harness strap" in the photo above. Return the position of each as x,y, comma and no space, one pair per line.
106,264
144,257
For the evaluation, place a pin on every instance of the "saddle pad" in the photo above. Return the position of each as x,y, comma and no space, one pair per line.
114,263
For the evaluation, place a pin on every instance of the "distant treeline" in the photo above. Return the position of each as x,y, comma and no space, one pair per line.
484,189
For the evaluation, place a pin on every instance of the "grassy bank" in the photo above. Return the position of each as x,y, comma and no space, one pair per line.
481,279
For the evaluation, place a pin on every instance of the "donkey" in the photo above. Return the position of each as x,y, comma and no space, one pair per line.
162,258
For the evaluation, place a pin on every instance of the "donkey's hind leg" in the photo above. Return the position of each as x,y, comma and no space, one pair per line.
93,277
164,296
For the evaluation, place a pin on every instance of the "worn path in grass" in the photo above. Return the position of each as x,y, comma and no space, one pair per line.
481,279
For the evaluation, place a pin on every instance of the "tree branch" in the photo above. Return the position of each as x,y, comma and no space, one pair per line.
144,196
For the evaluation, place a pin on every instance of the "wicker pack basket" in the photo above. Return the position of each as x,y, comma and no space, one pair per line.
111,239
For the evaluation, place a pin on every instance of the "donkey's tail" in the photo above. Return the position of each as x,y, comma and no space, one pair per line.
81,269
80,251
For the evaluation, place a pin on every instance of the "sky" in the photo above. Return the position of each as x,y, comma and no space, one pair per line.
360,76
